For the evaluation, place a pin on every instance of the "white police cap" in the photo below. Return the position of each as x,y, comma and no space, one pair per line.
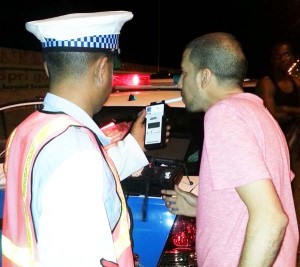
80,31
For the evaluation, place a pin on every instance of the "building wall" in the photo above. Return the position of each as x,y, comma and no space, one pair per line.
22,75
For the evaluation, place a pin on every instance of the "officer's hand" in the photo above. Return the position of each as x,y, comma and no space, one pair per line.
138,129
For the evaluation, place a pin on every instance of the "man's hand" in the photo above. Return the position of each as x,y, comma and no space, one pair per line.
180,202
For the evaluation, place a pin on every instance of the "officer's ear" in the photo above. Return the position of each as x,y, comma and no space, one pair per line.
100,69
46,68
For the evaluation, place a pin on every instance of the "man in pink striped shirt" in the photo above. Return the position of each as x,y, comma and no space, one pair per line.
245,209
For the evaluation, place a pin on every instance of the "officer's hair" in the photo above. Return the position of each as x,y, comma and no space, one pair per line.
222,54
71,65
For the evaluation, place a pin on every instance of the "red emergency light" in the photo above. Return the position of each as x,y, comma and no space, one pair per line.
131,79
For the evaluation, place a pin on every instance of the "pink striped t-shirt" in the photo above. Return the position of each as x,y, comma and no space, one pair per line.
242,144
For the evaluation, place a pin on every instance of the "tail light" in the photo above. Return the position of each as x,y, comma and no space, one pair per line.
184,233
180,246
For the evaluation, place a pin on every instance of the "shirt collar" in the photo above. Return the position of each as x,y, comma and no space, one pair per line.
54,103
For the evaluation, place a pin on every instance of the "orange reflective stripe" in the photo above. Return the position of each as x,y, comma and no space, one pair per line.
122,241
8,148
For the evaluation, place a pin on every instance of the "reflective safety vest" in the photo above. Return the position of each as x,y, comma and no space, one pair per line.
18,235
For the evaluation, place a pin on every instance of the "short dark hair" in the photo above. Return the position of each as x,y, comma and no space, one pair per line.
278,44
221,53
71,64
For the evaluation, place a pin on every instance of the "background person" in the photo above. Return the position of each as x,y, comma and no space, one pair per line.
293,139
279,89
64,204
245,214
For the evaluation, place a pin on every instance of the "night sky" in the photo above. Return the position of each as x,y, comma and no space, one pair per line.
160,29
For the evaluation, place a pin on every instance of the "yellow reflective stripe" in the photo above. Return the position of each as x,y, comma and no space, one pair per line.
19,256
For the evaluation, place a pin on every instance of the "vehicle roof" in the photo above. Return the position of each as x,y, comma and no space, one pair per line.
140,96
143,96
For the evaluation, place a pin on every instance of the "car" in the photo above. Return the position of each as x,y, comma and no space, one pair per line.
159,238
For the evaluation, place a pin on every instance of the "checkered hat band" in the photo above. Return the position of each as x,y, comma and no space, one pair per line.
110,41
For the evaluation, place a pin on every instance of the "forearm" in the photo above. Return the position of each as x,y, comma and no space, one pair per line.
127,156
263,241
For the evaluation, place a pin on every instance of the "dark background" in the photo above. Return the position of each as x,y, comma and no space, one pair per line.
160,29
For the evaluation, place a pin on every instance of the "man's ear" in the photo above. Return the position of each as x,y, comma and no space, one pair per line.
100,69
46,69
203,78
